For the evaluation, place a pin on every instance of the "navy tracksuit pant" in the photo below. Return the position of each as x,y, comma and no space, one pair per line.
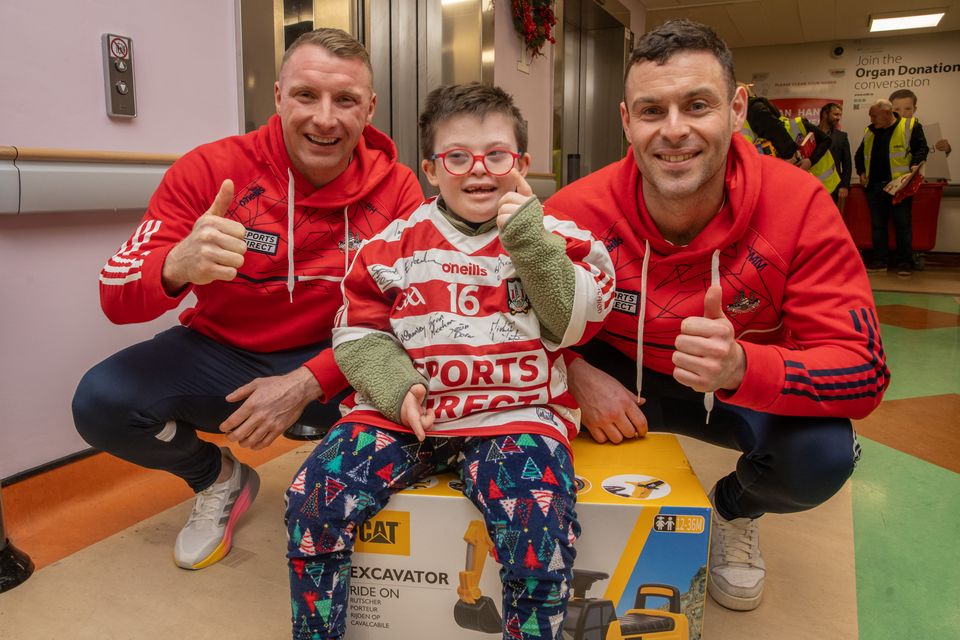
124,404
789,463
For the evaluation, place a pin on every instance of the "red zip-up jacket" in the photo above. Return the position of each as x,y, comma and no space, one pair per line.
793,284
257,310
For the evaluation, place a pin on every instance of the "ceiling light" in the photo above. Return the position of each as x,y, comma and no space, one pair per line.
905,20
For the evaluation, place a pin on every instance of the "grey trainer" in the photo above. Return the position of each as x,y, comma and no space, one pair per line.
208,534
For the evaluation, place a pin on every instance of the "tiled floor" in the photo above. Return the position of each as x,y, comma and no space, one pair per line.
906,492
878,561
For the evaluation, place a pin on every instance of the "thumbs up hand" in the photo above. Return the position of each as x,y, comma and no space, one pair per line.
708,356
511,201
212,251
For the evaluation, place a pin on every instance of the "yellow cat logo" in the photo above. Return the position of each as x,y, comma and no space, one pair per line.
387,532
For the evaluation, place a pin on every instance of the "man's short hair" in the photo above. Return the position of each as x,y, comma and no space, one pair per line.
882,105
678,36
472,99
904,93
825,109
336,41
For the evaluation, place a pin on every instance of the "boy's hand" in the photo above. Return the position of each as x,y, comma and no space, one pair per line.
511,201
413,414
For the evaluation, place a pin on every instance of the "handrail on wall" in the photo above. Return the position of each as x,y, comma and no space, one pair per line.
76,155
85,180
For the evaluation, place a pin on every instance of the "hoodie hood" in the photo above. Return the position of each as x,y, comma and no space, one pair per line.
374,157
726,227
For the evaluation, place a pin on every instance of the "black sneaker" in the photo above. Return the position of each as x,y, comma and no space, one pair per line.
876,267
904,270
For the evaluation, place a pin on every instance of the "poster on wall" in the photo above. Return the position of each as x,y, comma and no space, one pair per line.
856,73
882,70
808,108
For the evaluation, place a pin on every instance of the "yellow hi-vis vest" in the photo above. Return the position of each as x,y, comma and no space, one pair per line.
899,148
825,170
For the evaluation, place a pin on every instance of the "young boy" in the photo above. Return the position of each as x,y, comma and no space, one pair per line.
450,332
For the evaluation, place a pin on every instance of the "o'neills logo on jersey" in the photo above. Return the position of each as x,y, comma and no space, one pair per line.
626,302
387,532
261,241
464,269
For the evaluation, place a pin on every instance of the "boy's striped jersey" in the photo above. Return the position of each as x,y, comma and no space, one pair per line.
456,305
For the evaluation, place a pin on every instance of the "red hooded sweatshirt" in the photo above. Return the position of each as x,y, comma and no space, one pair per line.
794,287
275,302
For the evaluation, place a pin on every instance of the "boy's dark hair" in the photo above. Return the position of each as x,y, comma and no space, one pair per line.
678,36
471,98
825,109
904,93
336,41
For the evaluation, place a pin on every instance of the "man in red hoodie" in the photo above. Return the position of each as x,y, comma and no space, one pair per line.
741,308
260,228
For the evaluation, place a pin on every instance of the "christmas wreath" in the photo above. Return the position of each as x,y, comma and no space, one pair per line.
534,21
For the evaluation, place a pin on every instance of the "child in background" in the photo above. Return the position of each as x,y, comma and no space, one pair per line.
450,332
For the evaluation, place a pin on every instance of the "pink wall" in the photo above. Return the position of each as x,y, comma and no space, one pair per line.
638,17
52,329
51,326
532,92
52,74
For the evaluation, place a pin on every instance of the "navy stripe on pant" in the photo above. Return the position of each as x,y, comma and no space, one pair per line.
122,405
523,485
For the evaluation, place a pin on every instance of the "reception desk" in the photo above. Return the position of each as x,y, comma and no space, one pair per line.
926,212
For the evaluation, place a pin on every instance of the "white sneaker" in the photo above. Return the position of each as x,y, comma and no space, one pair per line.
736,566
207,536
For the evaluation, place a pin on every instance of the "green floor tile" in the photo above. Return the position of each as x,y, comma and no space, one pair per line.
906,516
921,363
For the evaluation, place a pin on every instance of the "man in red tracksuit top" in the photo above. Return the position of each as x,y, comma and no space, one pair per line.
737,276
291,203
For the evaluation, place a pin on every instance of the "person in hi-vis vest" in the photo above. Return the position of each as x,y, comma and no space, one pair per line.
830,115
892,146
821,162
774,134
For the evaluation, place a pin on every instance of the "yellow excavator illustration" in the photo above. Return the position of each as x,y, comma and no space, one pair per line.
474,610
640,491
587,618
596,618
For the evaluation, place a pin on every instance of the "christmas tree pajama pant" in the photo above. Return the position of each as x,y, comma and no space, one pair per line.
523,485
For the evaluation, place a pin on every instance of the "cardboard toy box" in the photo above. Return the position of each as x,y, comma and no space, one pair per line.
640,570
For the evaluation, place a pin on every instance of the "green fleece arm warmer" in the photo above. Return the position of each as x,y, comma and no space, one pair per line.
378,367
545,270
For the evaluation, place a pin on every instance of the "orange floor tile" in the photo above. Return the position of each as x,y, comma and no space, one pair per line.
56,513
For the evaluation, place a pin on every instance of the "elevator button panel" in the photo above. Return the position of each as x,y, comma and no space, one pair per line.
118,76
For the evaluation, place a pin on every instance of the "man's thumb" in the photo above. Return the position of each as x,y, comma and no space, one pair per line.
713,303
222,202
